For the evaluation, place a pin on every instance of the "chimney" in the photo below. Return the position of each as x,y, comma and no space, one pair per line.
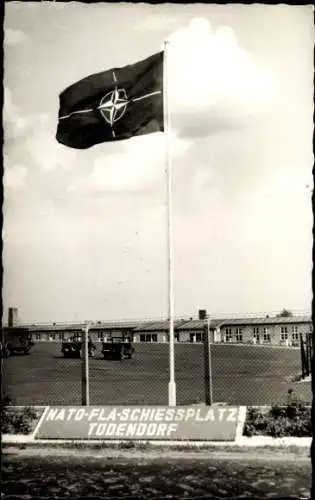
202,314
12,317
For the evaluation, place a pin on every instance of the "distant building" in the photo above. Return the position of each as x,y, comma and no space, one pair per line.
276,331
193,330
157,331
268,330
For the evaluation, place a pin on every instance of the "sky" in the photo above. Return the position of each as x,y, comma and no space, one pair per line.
85,232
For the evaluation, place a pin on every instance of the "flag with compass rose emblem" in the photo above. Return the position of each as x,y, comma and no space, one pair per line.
112,105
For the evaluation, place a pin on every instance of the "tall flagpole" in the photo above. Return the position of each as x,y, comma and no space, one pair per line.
167,129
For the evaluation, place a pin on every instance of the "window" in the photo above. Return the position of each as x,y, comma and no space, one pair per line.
38,336
284,336
148,337
267,337
295,336
284,329
239,335
192,337
295,329
52,336
61,335
265,331
198,337
228,334
100,335
176,336
255,331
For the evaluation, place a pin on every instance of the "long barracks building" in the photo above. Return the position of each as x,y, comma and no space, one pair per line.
267,330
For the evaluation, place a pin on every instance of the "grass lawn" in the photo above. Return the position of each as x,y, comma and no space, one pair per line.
242,375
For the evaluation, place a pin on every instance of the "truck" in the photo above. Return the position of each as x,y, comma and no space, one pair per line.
72,348
118,346
15,340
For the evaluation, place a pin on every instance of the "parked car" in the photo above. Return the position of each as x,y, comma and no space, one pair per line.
15,341
118,347
72,348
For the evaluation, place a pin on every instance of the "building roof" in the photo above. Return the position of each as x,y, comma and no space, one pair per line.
21,328
157,325
267,321
179,324
55,327
114,325
199,324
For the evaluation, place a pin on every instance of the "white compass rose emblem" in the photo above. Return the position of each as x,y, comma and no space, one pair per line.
113,105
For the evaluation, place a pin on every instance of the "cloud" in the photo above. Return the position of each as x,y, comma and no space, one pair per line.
208,72
15,176
15,124
14,37
33,137
282,187
139,164
154,22
45,150
8,106
214,85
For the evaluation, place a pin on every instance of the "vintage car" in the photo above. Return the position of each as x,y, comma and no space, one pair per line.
72,348
15,341
118,347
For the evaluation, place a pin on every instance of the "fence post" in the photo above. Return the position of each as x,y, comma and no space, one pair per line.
85,366
310,352
303,360
208,364
308,355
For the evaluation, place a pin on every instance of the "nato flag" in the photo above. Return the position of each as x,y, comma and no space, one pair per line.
112,105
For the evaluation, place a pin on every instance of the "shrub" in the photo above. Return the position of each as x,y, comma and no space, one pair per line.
17,420
126,444
293,419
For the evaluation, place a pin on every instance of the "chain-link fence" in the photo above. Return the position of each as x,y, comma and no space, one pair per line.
241,374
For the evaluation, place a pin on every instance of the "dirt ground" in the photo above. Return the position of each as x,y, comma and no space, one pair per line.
136,474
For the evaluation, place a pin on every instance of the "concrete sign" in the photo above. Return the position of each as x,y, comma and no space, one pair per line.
140,423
